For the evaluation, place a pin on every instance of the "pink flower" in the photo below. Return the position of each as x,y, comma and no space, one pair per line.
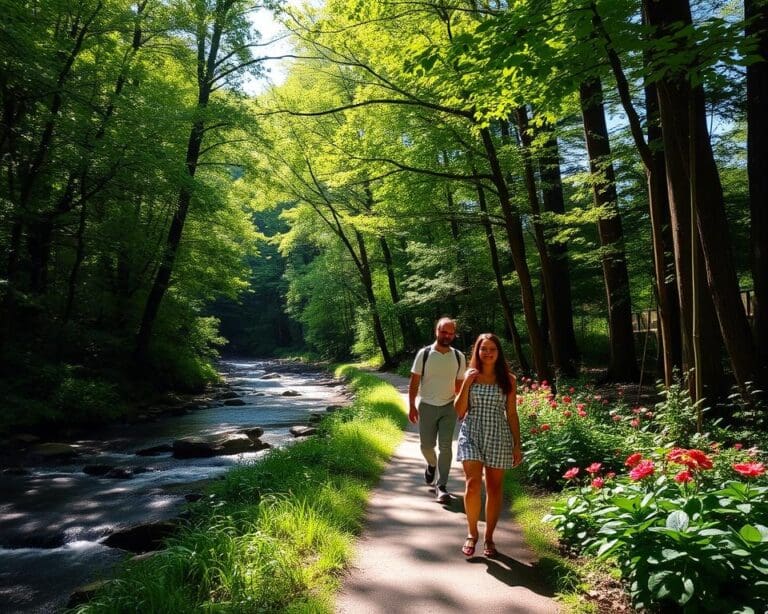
580,406
571,389
642,470
582,413
566,399
684,477
520,400
534,386
749,470
633,459
571,473
545,384
616,417
553,404
567,413
544,427
597,397
594,468
635,423
605,401
598,483
610,475
649,414
738,446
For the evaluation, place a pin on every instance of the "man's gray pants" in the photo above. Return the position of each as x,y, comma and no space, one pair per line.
436,426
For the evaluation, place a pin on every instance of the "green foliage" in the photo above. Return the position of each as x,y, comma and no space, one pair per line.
700,544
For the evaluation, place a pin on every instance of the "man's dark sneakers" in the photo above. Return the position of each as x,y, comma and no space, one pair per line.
429,474
442,495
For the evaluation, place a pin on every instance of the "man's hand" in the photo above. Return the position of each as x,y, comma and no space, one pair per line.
413,415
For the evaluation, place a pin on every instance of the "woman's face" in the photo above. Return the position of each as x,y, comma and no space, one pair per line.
488,352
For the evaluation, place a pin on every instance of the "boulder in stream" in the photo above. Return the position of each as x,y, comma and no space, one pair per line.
193,447
234,402
291,393
53,450
254,432
302,431
142,538
234,443
155,450
229,394
271,376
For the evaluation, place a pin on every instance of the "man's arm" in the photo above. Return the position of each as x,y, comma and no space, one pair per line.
413,390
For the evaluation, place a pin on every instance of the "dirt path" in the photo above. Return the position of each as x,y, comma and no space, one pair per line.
409,556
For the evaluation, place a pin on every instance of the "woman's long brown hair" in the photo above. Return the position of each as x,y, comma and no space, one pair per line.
501,368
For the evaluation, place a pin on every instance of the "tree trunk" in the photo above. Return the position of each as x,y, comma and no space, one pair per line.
407,325
367,279
552,200
506,308
757,168
689,139
623,363
514,230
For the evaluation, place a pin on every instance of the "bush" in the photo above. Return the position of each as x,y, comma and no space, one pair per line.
82,399
687,529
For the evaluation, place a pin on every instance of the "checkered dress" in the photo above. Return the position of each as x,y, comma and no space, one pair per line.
484,435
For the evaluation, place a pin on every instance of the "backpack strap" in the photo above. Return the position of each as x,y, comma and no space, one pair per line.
424,358
427,350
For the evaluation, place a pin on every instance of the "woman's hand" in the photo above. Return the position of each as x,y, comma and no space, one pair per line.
517,456
470,376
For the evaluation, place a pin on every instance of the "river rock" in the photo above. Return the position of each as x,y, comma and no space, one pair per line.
53,450
229,394
142,538
291,393
193,447
155,450
119,473
83,594
234,444
97,470
234,402
271,376
302,431
332,408
254,432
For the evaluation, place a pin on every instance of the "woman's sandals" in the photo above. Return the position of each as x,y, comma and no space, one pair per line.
469,546
490,549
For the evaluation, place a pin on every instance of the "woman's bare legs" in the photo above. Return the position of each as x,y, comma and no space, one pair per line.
473,471
494,494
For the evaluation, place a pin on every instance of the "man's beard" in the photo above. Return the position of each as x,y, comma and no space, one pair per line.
443,343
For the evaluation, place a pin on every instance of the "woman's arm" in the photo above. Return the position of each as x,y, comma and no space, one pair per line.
461,402
514,422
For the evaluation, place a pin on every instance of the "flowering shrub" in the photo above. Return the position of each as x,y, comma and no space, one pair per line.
686,526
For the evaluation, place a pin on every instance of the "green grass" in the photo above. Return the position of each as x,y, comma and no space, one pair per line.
273,536
567,578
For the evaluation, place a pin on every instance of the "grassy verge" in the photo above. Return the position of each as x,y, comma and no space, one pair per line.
568,578
275,535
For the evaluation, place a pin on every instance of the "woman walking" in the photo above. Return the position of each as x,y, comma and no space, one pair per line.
489,438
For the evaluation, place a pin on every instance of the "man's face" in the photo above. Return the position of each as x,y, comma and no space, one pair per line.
445,334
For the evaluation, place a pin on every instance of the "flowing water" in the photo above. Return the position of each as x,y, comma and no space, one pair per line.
54,516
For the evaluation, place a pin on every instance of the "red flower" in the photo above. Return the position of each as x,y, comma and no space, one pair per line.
594,468
571,473
520,400
643,469
633,459
683,477
544,427
534,431
693,459
553,404
566,399
749,470
544,384
598,483
580,406
567,413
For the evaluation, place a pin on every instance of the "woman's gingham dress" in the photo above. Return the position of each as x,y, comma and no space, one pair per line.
484,435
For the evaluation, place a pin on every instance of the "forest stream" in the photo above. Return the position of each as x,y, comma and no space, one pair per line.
55,517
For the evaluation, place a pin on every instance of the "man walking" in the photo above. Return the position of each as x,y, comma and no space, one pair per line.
436,376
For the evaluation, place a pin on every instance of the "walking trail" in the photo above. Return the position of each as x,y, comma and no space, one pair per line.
409,556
